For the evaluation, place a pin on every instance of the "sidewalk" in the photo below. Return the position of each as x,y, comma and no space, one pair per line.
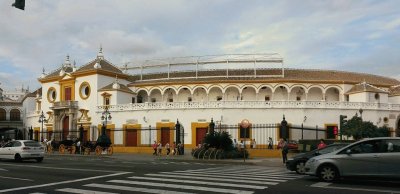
273,162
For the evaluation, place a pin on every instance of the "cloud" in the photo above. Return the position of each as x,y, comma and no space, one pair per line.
345,35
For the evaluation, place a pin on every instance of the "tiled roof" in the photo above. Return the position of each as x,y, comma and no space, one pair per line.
56,73
105,65
122,88
364,87
394,91
295,75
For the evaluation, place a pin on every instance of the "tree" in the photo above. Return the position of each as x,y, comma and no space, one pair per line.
357,128
219,140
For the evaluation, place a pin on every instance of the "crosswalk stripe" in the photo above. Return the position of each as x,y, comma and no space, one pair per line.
200,182
226,176
285,177
199,188
133,189
82,191
215,179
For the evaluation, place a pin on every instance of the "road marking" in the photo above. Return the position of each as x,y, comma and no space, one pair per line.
62,182
200,182
82,191
133,189
326,185
215,179
2,169
5,177
176,186
58,168
227,177
282,176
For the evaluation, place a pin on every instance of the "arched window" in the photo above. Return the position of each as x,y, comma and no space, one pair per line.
15,115
2,114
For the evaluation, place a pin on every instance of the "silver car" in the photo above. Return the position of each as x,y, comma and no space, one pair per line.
368,157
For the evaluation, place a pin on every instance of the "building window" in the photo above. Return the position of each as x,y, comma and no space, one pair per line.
2,114
153,100
139,99
15,115
84,90
51,94
219,98
376,96
170,100
298,98
266,98
133,100
107,101
189,99
244,132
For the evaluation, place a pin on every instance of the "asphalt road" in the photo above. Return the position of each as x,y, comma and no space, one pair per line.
63,174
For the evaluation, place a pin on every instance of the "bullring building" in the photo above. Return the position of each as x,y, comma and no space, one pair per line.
142,103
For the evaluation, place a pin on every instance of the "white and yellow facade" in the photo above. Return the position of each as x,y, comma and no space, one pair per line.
72,97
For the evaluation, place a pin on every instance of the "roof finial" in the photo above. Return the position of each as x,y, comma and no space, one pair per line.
116,84
67,63
100,55
74,66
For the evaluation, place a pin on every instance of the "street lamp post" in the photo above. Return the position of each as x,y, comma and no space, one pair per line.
104,116
104,140
42,119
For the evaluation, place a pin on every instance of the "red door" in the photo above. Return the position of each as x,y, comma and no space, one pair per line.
131,137
85,136
67,94
37,135
65,127
165,135
200,134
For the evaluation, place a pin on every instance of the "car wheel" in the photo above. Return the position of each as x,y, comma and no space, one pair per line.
39,159
300,168
328,173
17,158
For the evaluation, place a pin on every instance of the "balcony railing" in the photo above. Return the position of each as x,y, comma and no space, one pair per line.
65,104
251,105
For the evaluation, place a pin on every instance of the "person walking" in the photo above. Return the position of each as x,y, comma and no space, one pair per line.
285,150
167,148
155,148
254,144
173,149
270,143
159,148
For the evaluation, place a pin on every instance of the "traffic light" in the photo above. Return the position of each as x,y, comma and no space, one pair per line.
20,4
335,131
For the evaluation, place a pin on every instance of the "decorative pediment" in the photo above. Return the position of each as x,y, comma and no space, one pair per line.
84,118
50,117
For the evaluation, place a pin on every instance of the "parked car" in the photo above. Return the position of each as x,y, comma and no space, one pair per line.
293,145
373,157
22,150
298,161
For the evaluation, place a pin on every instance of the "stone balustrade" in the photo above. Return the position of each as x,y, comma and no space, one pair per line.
250,105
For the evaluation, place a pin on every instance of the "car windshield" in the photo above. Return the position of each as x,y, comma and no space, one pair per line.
32,144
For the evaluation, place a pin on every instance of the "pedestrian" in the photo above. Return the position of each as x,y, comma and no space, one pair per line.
285,150
173,148
254,144
78,145
321,144
167,148
241,144
159,148
235,144
155,148
270,143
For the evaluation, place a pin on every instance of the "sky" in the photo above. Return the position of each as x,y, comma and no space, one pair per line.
358,36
